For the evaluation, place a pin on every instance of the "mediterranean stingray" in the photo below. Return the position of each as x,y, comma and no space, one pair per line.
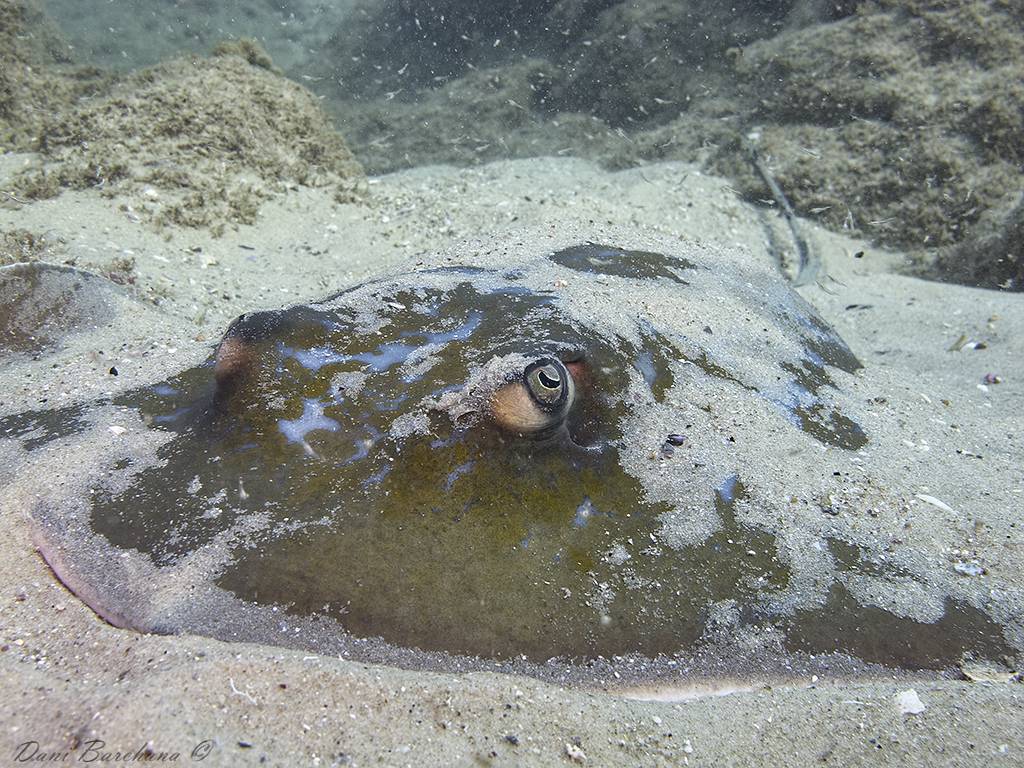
605,447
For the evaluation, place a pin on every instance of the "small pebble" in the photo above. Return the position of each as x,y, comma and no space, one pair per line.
575,753
909,702
968,569
987,672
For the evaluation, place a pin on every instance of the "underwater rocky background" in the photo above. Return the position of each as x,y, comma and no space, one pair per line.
897,121
938,398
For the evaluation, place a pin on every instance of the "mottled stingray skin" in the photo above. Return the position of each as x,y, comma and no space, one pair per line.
373,465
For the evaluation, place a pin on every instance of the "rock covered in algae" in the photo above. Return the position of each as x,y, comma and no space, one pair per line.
547,446
185,139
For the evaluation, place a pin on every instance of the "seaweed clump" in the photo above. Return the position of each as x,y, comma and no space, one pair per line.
898,122
202,141
21,245
38,77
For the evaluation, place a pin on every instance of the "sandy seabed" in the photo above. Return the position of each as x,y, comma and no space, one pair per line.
75,688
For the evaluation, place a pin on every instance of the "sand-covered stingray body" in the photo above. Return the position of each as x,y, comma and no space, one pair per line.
588,451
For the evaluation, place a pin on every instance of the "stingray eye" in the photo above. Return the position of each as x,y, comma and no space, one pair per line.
548,382
537,404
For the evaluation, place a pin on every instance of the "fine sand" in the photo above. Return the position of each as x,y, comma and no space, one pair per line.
73,685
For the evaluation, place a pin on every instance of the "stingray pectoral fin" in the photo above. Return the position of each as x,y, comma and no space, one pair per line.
99,579
42,304
61,564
